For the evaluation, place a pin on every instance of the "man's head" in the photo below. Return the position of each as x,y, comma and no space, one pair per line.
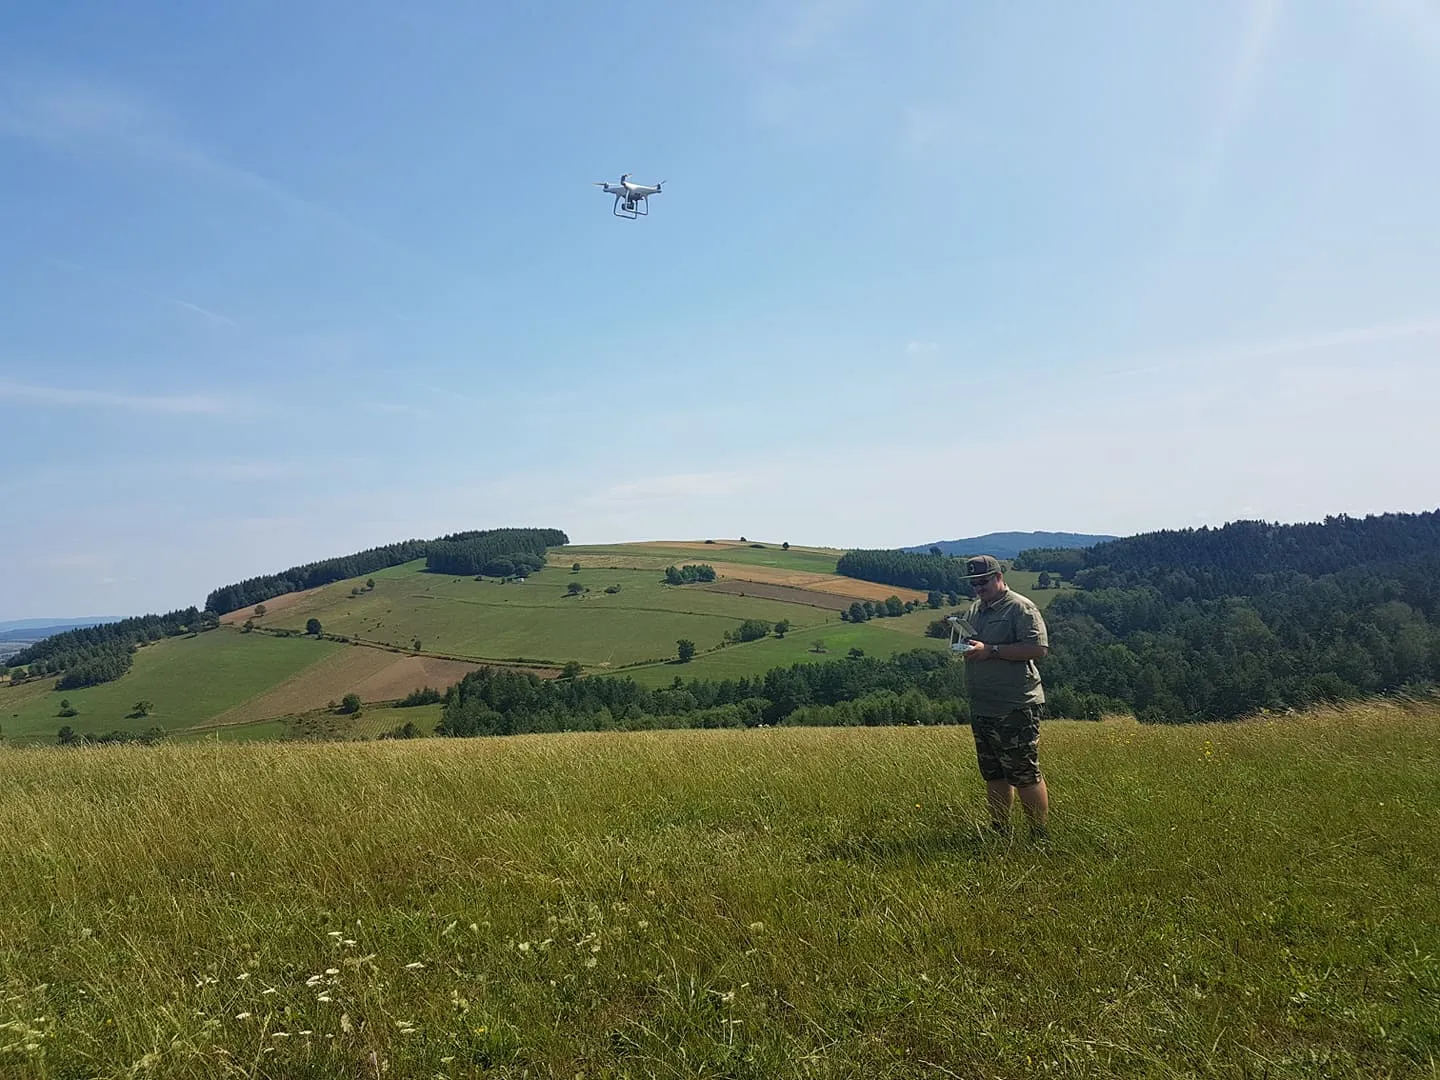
985,576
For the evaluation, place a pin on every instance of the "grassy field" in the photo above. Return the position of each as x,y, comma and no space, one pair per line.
459,616
1250,900
876,638
188,679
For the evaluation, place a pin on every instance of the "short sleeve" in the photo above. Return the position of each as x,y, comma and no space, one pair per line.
1030,626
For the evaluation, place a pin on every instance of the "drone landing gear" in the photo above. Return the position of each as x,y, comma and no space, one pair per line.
630,208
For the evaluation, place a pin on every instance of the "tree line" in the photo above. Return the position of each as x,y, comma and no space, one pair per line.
919,686
689,574
91,655
452,550
1211,624
908,569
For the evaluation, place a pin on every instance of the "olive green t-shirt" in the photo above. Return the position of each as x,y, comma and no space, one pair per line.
998,687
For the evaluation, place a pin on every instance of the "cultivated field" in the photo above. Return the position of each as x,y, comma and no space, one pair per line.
1250,900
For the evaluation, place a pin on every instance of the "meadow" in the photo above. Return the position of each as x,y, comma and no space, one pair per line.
539,620
1255,899
187,679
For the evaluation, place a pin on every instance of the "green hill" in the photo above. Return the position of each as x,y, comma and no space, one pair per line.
403,627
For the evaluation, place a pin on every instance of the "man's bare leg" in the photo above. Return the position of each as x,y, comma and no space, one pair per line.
999,795
1036,801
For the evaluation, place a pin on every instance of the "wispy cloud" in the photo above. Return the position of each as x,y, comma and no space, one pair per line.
106,121
802,85
1419,20
214,316
1273,347
1237,94
105,399
921,348
395,408
674,486
115,281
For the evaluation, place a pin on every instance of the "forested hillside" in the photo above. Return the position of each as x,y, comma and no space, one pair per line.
1201,624
889,567
458,553
95,654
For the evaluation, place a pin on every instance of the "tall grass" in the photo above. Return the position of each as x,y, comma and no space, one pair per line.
1257,899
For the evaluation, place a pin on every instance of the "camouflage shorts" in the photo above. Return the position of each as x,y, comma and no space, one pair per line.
1007,746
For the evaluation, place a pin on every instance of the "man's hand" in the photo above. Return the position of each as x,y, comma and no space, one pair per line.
975,650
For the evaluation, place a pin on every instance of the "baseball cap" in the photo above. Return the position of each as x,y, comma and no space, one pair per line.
979,567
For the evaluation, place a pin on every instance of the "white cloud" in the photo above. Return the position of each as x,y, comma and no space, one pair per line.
1375,334
106,399
198,310
650,489
89,118
1237,94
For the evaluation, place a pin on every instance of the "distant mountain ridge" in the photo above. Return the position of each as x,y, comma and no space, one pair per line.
35,629
1006,545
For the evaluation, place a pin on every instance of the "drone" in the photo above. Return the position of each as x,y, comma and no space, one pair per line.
631,200
961,633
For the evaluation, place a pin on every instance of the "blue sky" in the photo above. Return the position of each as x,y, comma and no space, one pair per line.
284,281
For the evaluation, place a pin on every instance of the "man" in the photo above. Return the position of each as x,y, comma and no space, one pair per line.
1006,694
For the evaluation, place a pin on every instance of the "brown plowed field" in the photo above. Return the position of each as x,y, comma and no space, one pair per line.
788,593
374,674
808,579
863,590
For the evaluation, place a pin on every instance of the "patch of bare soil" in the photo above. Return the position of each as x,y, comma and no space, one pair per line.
864,590
374,674
807,579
